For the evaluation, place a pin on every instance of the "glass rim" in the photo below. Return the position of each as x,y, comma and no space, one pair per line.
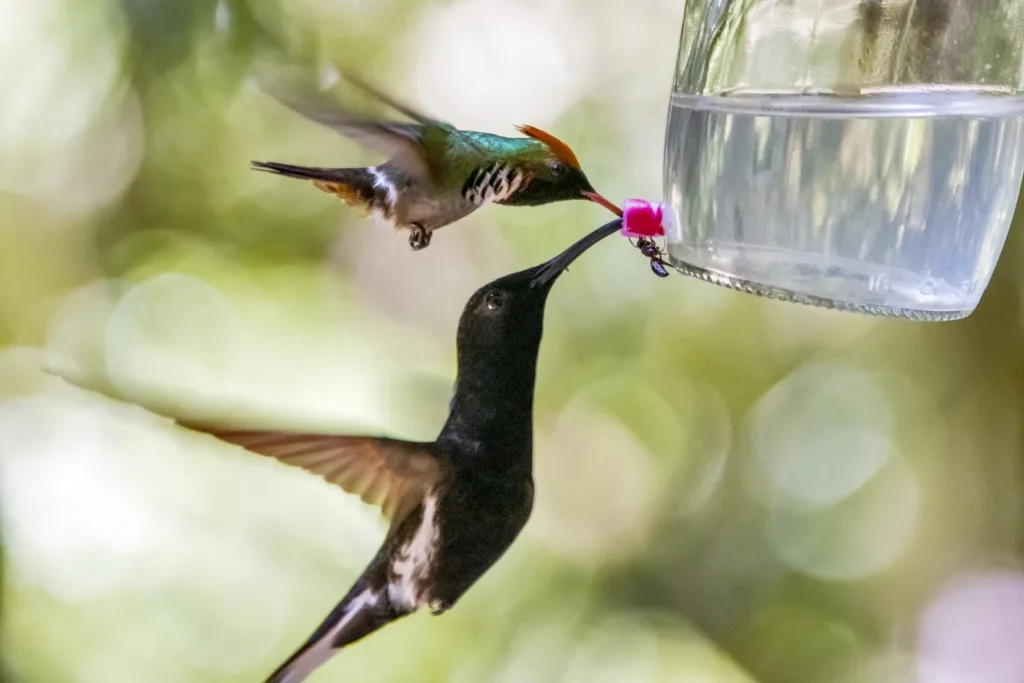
963,100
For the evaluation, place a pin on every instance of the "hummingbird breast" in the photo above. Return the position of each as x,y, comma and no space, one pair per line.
412,564
462,530
416,201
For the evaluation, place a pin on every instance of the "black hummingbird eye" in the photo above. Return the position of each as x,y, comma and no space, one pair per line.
494,300
558,170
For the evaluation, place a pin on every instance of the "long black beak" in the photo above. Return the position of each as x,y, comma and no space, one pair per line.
547,273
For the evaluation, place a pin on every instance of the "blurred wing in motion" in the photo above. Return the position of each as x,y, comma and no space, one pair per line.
404,144
391,473
424,120
404,109
401,143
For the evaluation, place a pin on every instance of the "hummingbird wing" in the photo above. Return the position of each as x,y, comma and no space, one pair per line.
407,145
404,109
400,142
469,144
391,473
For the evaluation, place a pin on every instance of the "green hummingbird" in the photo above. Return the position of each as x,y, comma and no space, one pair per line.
435,173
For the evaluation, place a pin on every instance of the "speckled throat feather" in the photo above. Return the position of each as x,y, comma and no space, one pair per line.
494,182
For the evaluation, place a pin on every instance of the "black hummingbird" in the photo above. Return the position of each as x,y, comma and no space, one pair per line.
457,503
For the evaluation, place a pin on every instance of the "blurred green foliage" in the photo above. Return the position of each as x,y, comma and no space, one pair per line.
729,489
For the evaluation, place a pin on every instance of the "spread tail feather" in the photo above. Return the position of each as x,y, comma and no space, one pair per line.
360,613
369,188
336,175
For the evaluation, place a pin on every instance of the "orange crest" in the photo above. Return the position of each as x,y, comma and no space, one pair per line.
559,148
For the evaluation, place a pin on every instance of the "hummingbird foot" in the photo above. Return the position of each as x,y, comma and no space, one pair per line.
420,237
438,607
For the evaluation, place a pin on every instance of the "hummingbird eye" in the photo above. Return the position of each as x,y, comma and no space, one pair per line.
494,300
558,170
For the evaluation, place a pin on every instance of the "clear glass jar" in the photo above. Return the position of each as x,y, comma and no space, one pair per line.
857,154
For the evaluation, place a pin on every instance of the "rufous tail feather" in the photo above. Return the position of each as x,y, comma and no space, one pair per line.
366,188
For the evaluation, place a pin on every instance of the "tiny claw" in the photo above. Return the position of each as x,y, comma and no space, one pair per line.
419,237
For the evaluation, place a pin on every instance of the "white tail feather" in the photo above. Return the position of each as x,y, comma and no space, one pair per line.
323,649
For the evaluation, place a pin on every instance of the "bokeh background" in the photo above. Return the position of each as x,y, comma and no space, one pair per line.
728,489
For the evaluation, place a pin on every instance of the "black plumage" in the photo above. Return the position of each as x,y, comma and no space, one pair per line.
457,503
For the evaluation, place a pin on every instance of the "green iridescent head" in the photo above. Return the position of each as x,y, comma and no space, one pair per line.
552,173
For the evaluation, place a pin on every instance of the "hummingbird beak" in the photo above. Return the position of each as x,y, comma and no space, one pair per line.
598,199
545,275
